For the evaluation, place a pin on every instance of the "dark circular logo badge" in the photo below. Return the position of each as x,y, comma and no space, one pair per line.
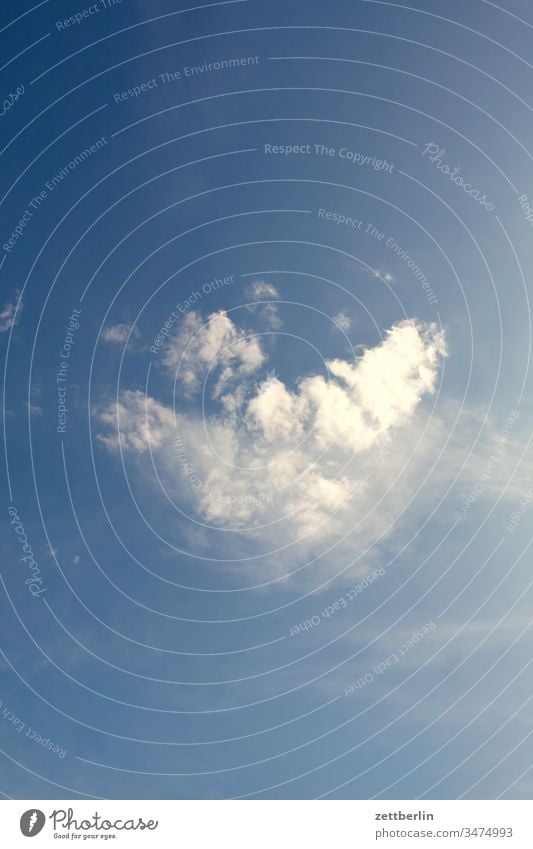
32,822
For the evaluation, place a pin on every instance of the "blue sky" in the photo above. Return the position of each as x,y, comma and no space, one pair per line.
265,328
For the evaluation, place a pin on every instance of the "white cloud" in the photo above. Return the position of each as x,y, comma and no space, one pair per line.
390,379
386,276
215,344
136,422
9,315
343,321
76,559
260,290
275,412
268,312
289,456
117,334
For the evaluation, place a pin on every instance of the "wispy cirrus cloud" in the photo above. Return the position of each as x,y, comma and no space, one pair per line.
261,290
117,334
10,313
343,321
264,294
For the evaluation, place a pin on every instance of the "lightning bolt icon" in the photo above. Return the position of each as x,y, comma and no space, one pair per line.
33,820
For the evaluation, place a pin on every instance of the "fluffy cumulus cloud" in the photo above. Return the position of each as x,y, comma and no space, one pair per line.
214,345
9,315
359,401
135,423
279,459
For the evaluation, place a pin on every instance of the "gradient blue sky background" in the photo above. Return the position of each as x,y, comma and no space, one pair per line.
156,652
